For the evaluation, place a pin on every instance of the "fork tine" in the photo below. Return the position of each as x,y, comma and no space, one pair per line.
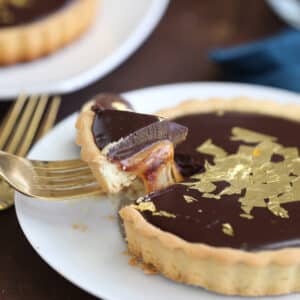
63,165
22,125
64,183
33,127
64,174
22,175
54,195
16,121
50,117
63,179
10,120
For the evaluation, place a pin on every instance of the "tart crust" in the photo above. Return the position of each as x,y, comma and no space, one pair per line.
38,38
89,150
110,176
223,270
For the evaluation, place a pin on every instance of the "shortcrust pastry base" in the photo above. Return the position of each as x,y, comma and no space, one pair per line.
39,38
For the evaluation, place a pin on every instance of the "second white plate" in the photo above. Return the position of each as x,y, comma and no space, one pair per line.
80,240
120,28
288,10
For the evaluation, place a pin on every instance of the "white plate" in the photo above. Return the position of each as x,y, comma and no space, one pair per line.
288,10
93,259
121,27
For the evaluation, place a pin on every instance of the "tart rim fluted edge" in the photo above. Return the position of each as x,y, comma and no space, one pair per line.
223,270
97,159
42,37
89,150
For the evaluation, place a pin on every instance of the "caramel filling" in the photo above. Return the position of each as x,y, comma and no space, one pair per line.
154,165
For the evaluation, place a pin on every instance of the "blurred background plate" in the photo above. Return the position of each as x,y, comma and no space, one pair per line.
120,28
288,10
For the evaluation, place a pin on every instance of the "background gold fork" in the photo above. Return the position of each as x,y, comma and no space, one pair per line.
49,180
27,121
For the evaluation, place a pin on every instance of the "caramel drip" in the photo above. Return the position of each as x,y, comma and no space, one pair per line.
154,166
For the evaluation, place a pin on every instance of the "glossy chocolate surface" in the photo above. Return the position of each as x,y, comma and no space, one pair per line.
12,14
132,131
112,125
201,221
146,136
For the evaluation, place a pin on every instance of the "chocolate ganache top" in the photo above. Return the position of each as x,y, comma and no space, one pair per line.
131,131
229,213
13,13
112,125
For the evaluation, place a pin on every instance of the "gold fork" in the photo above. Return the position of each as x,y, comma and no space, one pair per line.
49,180
28,120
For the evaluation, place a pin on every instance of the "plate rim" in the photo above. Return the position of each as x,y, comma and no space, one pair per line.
219,84
126,49
148,89
277,8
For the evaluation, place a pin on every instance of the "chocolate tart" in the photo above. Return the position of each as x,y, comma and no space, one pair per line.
30,29
232,226
127,150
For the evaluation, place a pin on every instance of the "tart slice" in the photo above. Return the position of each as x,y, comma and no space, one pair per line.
128,150
30,29
233,226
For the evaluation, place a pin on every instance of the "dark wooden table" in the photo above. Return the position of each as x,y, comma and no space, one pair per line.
176,51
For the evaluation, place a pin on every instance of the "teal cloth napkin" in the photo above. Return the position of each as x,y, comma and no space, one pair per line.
274,61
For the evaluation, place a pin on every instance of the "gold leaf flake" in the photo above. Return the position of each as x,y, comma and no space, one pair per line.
145,206
295,167
246,216
256,152
289,153
150,206
231,190
203,186
209,148
213,196
276,209
189,199
249,136
163,213
251,172
245,150
227,229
